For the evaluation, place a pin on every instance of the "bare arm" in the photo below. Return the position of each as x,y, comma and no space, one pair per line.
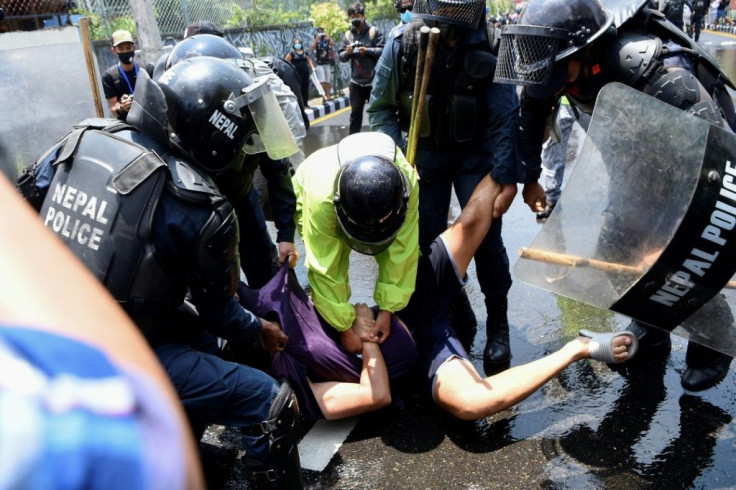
339,400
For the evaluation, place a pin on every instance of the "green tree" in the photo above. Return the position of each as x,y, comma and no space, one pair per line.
331,17
501,6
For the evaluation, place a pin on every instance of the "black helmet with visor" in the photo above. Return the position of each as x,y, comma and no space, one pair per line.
535,51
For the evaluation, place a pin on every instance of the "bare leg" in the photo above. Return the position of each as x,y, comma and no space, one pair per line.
461,391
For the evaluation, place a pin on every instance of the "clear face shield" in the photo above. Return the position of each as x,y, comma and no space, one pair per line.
273,135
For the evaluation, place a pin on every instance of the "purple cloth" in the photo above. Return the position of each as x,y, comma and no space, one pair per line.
313,349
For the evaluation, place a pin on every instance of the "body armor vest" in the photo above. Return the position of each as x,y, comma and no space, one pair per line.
100,204
456,110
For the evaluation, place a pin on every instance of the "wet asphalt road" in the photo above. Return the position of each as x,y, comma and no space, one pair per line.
588,428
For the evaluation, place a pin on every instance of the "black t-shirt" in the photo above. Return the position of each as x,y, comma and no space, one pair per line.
114,83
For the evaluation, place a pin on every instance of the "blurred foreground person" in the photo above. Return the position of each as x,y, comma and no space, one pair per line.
84,402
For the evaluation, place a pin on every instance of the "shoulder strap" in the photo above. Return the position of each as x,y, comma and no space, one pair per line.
372,33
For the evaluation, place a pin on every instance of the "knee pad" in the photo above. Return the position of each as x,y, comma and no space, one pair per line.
283,469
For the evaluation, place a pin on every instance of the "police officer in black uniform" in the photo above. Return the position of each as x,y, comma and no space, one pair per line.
259,258
467,132
136,203
573,48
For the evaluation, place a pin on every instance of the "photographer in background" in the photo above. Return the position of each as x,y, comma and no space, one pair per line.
323,48
118,81
361,46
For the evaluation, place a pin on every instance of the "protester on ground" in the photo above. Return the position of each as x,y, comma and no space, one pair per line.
323,48
118,81
603,54
444,364
136,203
361,47
467,131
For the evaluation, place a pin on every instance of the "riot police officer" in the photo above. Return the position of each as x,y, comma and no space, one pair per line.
259,258
136,203
469,132
583,51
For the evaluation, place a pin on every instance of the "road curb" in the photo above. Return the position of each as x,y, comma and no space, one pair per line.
315,112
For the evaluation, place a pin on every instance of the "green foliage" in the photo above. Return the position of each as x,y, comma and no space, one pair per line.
330,16
501,6
262,13
98,29
380,9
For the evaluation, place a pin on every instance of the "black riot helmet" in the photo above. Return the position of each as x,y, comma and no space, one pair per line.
462,13
535,51
371,196
205,119
202,45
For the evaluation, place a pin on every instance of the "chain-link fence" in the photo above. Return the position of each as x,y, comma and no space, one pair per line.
106,16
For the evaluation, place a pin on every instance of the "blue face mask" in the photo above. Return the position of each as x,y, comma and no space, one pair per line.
298,46
405,17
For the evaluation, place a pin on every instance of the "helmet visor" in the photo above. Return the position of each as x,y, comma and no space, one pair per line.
527,55
364,245
273,135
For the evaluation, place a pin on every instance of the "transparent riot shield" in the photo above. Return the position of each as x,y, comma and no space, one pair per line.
45,91
645,226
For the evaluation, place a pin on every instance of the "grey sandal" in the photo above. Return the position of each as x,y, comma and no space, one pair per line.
601,345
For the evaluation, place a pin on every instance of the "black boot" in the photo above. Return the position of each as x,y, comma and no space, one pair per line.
498,351
705,367
462,319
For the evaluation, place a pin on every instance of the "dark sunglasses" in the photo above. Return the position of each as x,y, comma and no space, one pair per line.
404,9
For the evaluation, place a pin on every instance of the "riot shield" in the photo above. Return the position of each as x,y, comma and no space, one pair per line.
645,226
45,91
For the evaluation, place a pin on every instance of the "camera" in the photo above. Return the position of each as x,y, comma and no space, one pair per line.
357,44
321,35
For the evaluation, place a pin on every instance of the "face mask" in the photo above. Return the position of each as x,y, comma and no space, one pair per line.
356,22
298,46
126,58
405,17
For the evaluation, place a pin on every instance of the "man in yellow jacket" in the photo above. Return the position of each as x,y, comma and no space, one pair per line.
360,194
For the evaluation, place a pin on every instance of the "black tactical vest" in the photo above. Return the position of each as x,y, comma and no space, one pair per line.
456,109
100,204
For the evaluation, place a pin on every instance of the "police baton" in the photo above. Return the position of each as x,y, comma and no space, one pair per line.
89,59
578,261
427,46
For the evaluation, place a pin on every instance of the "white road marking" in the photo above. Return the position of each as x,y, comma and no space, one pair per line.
323,441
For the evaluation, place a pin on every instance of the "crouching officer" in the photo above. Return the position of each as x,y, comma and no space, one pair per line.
583,50
136,203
